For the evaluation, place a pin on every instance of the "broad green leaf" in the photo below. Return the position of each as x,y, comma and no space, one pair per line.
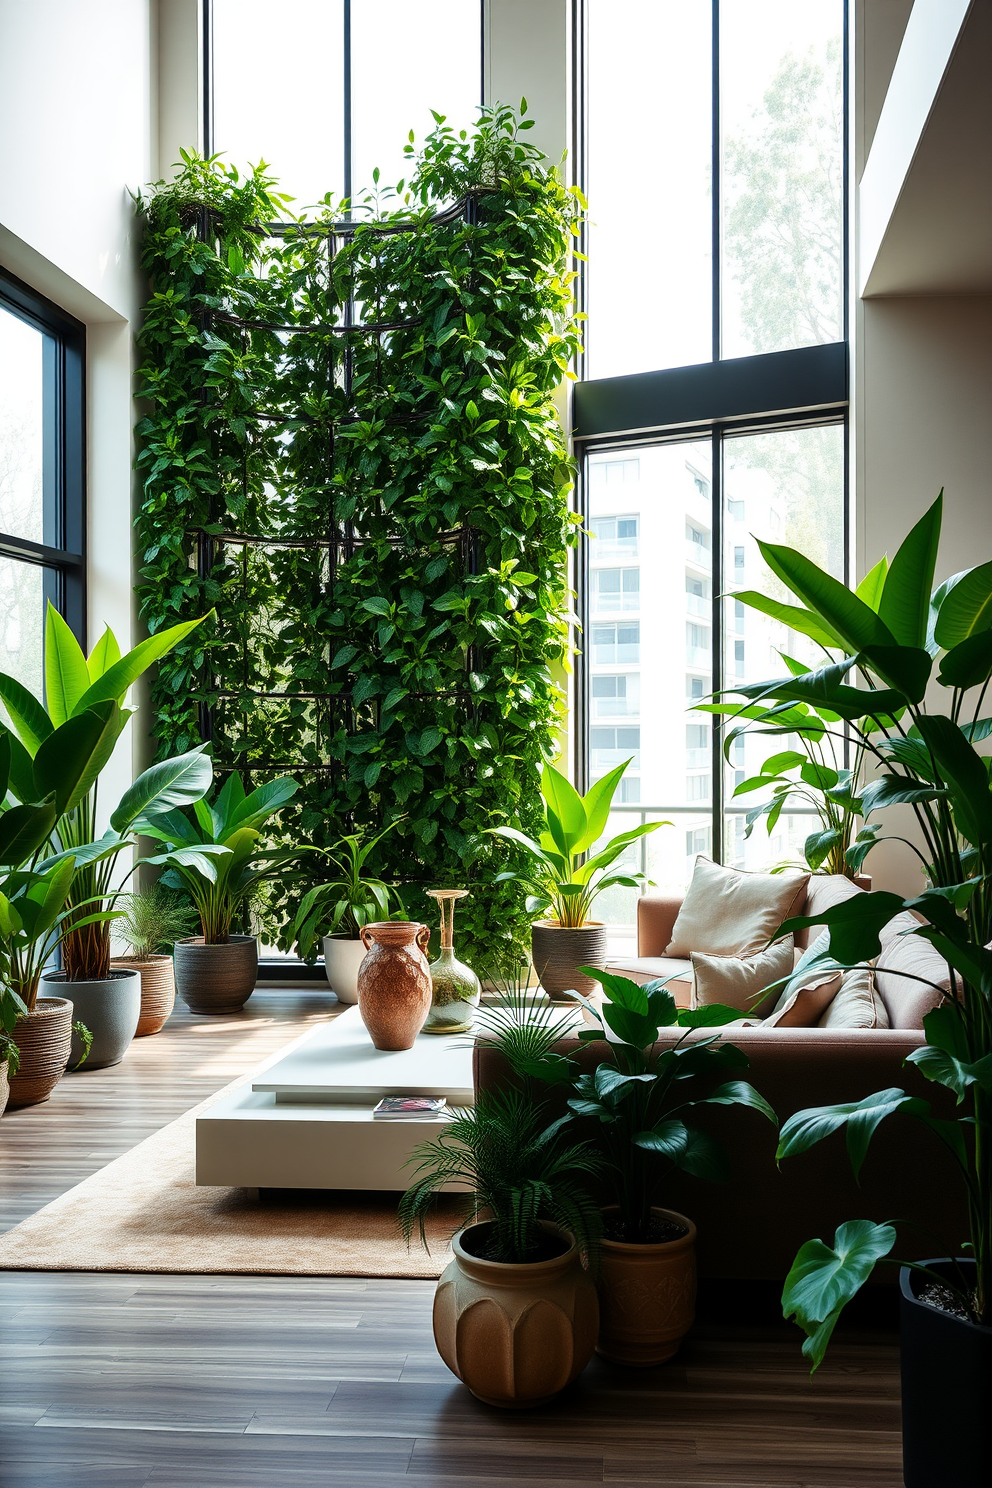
565,804
30,721
966,608
944,1028
704,1157
712,1015
969,663
871,586
795,618
669,1139
956,1074
173,782
854,925
23,830
894,790
846,615
103,656
122,674
818,845
66,677
740,1093
262,803
824,1278
905,603
803,1130
906,668
964,773
69,761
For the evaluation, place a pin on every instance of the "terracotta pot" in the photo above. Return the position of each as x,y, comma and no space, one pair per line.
394,982
216,978
158,990
516,1335
109,1007
342,958
4,1087
44,1038
647,1295
558,951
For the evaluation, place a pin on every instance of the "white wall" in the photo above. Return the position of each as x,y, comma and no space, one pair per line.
76,113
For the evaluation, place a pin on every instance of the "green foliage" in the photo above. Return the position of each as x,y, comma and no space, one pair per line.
10,1054
85,1038
350,900
430,649
151,919
560,876
215,855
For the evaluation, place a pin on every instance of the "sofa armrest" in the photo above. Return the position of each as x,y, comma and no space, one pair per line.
656,916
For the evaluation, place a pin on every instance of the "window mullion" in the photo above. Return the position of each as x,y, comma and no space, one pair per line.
716,570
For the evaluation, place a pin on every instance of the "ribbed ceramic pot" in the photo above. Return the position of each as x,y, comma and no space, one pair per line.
647,1295
394,982
43,1038
109,1008
516,1335
4,1087
558,951
216,978
158,990
342,958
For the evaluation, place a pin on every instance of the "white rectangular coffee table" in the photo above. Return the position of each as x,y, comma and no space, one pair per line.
304,1118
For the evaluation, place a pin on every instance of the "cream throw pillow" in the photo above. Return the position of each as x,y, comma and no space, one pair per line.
728,913
738,981
857,1004
808,992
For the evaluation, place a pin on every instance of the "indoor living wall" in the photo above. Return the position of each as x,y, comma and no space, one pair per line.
352,453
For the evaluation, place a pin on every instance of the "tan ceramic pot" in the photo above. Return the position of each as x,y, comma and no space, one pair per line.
559,950
515,1334
158,989
43,1038
647,1296
394,982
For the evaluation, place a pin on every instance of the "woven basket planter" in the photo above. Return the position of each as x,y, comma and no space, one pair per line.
558,951
158,989
43,1038
4,1087
216,978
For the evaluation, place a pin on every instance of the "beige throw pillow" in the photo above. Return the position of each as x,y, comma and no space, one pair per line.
808,992
729,913
857,1004
738,981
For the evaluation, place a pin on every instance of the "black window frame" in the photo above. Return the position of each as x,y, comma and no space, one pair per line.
803,387
63,558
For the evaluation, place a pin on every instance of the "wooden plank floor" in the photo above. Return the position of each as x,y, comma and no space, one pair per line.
116,1381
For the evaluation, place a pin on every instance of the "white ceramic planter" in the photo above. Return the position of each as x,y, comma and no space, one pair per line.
342,958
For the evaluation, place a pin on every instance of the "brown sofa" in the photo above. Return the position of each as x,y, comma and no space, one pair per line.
752,1227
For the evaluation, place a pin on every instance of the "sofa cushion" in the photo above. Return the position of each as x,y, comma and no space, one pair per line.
857,1003
808,992
904,960
643,969
823,892
729,913
739,981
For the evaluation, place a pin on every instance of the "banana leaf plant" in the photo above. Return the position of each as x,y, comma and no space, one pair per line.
57,752
560,877
897,636
214,855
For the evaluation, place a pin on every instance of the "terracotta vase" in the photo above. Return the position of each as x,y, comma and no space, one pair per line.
158,990
394,982
43,1038
516,1335
647,1295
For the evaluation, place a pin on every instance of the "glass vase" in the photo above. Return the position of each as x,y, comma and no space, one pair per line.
456,987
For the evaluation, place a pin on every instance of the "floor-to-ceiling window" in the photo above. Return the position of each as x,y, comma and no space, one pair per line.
712,406
41,477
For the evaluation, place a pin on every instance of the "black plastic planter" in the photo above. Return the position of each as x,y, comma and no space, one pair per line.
946,1389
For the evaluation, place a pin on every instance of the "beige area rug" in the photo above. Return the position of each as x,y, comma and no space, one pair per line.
143,1212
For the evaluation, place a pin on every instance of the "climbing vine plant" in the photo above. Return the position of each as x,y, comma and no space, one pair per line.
352,453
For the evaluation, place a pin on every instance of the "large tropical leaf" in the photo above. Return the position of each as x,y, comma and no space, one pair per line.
905,603
895,790
69,761
20,775
739,1093
871,586
846,615
824,1278
596,803
118,677
969,663
566,814
23,830
104,654
31,723
906,668
262,803
803,1130
66,677
173,782
854,925
966,607
795,618
965,774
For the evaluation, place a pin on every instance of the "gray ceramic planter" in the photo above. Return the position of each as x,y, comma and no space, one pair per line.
216,978
110,1008
558,952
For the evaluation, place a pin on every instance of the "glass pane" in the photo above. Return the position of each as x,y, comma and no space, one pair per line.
650,239
21,429
781,113
279,91
650,654
784,487
406,60
22,622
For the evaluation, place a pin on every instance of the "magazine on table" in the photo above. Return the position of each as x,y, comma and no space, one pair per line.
410,1108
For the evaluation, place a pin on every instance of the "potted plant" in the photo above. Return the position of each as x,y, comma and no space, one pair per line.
335,913
58,750
897,632
214,856
530,1219
147,921
564,881
9,1057
642,1098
